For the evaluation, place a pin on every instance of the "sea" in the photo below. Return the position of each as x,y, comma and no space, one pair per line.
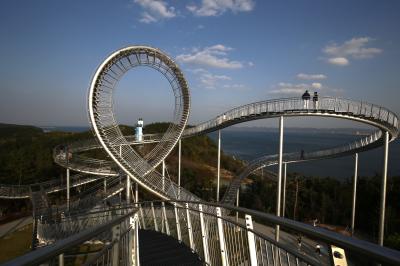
250,143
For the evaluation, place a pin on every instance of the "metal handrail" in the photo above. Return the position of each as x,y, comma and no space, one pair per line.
47,253
369,249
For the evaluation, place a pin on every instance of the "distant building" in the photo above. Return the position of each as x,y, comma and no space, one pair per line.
139,130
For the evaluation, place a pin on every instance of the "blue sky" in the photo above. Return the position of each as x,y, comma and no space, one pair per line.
232,52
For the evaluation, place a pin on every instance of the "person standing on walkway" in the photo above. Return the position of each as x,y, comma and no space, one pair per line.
315,100
306,99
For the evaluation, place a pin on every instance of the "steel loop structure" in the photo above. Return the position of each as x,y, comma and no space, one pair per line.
106,128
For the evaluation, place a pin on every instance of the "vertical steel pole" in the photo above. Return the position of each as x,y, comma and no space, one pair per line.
178,226
128,189
353,210
115,247
204,236
189,227
166,218
61,259
163,175
279,188
221,235
219,163
105,185
68,184
179,167
154,217
237,204
284,189
251,240
136,192
383,189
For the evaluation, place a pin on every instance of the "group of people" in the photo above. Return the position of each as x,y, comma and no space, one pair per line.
306,100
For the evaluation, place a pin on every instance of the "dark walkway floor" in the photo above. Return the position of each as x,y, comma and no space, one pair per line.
159,249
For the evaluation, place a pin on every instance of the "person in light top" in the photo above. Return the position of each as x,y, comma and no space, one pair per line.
315,100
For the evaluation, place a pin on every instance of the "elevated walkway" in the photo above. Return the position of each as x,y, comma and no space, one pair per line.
159,249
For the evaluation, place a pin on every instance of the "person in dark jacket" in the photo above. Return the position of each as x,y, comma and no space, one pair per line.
315,100
306,99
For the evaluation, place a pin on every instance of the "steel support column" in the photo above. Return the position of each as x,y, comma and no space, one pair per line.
219,163
279,188
353,210
383,188
284,189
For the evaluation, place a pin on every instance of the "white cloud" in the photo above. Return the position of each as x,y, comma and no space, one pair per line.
339,61
289,89
311,76
213,56
218,7
210,81
354,48
316,85
155,10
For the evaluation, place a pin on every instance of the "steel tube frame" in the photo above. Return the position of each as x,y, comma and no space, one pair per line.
383,188
279,188
353,209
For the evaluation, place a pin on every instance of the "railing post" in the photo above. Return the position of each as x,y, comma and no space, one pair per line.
133,242
178,226
61,259
189,226
136,192
115,248
353,210
154,217
224,254
250,238
383,188
237,203
219,163
141,214
165,217
128,189
204,235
